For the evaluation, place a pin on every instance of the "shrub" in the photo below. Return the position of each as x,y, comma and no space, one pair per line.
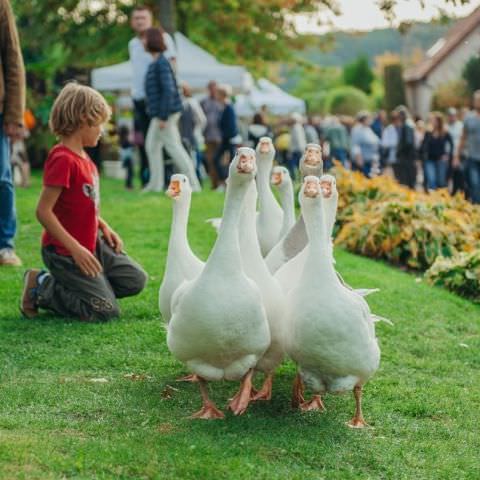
346,101
460,274
381,219
451,94
471,74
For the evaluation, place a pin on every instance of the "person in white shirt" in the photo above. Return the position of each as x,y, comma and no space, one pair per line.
455,129
141,21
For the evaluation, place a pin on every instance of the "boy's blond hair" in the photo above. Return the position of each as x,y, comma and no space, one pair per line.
75,106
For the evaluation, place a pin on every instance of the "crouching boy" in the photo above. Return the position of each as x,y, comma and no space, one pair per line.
87,269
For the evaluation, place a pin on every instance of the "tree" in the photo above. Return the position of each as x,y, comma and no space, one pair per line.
471,74
394,86
346,100
359,74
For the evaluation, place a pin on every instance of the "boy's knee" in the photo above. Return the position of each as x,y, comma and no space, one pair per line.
103,309
137,279
138,282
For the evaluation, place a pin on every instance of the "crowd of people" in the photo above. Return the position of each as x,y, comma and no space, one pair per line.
442,151
200,138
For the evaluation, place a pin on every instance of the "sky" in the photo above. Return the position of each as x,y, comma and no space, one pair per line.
365,14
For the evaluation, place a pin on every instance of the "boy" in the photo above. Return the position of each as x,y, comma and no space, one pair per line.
87,272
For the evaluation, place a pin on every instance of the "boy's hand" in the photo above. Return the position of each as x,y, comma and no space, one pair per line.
112,238
86,261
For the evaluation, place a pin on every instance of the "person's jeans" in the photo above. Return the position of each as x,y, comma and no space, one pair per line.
294,162
141,123
8,218
473,175
339,154
221,168
436,173
168,137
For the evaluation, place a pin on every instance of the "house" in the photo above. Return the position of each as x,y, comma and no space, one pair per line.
444,62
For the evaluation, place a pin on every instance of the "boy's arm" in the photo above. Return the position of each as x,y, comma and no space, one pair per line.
86,261
110,236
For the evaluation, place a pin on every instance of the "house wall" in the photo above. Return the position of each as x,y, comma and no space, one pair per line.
419,94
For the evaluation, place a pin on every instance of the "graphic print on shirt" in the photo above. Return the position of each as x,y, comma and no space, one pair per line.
92,191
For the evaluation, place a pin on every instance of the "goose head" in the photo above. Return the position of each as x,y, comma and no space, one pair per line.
244,166
179,188
311,188
280,177
311,162
265,149
328,184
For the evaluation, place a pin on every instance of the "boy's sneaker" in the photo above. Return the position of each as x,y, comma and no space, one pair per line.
9,257
28,305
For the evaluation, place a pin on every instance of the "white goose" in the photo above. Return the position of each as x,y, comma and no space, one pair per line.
270,214
272,295
289,274
182,264
296,239
219,327
281,179
330,330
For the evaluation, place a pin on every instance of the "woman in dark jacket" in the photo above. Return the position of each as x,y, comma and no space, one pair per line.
437,149
164,106
229,131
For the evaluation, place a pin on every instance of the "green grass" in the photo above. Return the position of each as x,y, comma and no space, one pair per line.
55,422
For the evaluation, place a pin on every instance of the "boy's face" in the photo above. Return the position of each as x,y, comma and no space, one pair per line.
141,20
90,134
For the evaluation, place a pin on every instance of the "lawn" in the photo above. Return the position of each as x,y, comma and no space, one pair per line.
100,401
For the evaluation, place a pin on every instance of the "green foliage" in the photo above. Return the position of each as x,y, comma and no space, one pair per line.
359,74
394,86
381,219
346,100
314,84
471,74
57,422
460,274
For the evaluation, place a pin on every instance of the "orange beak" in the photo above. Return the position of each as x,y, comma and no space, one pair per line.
174,189
264,147
326,189
311,190
276,178
246,164
312,157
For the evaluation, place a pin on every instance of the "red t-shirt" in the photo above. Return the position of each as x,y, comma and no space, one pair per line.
77,205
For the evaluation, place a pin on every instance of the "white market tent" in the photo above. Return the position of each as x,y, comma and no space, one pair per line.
278,101
194,65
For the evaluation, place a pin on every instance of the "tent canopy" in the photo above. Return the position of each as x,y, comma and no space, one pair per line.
194,64
267,93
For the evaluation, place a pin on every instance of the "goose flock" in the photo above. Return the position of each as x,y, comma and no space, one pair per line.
268,290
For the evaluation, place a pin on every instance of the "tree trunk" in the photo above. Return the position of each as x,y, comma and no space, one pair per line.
167,15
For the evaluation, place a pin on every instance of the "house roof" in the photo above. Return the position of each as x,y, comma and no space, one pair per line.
444,46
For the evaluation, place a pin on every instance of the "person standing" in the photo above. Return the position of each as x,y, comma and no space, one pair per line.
455,129
364,146
229,132
164,106
141,20
191,124
470,141
405,169
337,137
213,110
390,143
12,106
437,149
298,142
258,129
